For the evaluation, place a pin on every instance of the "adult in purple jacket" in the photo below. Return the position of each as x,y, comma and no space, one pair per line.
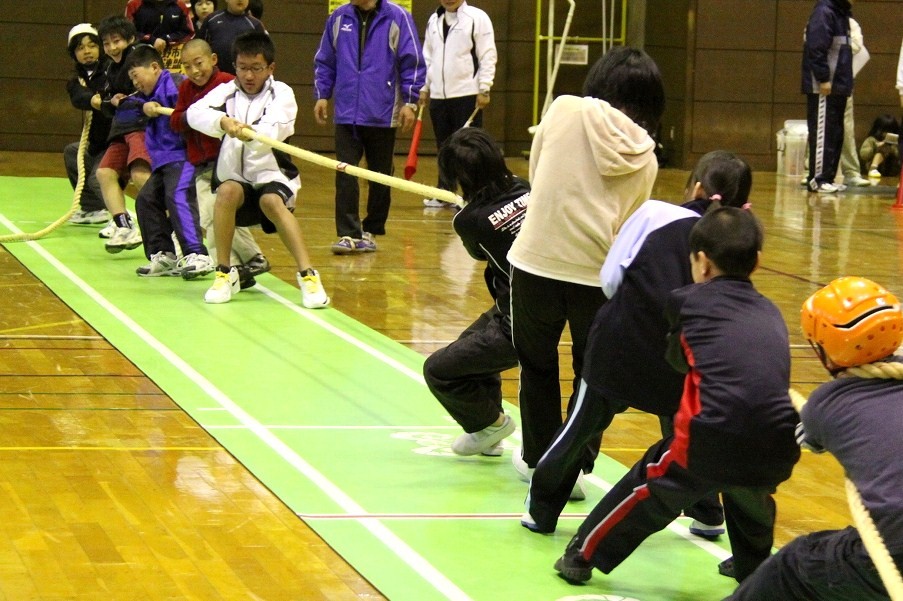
369,63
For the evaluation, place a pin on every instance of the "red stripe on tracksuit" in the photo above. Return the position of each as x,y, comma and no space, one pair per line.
690,406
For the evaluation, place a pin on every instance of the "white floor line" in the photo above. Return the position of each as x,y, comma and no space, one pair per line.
407,554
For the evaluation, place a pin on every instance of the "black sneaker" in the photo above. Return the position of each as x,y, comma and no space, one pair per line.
245,279
572,567
726,567
258,265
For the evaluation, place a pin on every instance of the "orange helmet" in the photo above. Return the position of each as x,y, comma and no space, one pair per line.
853,321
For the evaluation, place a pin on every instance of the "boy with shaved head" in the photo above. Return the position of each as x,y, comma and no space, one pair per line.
200,65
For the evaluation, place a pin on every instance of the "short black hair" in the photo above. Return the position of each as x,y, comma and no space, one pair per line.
142,55
255,7
195,12
629,80
731,238
252,43
117,24
471,159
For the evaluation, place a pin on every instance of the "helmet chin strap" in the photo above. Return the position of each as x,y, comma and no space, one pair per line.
835,371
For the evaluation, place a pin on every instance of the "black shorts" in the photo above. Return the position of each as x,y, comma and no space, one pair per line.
249,212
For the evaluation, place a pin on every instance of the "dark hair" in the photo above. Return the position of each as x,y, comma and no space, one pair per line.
731,238
142,55
629,80
77,40
252,43
471,159
116,24
883,125
723,174
255,7
195,12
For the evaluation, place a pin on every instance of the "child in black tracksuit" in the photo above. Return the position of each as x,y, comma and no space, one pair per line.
84,89
734,431
465,375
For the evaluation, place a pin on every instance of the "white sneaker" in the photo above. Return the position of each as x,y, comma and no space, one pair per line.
313,296
108,230
578,493
823,188
478,442
125,238
435,203
855,181
224,287
523,470
874,177
161,263
706,531
195,265
496,450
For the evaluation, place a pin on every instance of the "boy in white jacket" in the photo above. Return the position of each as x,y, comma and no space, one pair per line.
254,183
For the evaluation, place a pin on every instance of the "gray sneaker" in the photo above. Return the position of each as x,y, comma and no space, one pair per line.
125,238
478,442
195,265
161,264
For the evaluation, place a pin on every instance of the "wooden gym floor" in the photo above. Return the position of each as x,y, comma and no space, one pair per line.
87,434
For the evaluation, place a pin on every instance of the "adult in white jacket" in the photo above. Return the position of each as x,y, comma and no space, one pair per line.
592,164
254,183
459,51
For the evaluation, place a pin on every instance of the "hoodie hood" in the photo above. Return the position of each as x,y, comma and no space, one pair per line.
619,145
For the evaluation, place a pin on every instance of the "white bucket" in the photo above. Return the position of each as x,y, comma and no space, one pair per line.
795,140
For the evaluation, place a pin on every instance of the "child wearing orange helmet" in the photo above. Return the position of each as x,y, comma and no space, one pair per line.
855,326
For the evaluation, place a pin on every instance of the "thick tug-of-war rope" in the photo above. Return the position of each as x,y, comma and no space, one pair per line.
373,176
76,195
874,544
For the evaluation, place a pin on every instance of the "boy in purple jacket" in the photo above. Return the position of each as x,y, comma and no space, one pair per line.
170,188
369,62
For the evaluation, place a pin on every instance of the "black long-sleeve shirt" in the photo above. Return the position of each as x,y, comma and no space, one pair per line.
735,423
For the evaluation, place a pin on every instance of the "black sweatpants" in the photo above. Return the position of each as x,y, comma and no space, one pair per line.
540,307
832,565
824,115
559,467
377,145
465,376
168,203
654,492
91,198
448,115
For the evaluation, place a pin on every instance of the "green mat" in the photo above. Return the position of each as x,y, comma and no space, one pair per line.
335,419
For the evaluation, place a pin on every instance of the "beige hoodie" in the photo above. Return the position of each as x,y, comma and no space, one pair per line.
591,166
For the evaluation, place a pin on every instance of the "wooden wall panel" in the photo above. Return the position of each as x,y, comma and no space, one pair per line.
732,75
744,53
735,24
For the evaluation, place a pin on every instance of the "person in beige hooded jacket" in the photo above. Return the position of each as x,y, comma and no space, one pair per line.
592,164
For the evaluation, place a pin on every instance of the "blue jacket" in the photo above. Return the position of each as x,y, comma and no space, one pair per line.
370,83
163,144
827,54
